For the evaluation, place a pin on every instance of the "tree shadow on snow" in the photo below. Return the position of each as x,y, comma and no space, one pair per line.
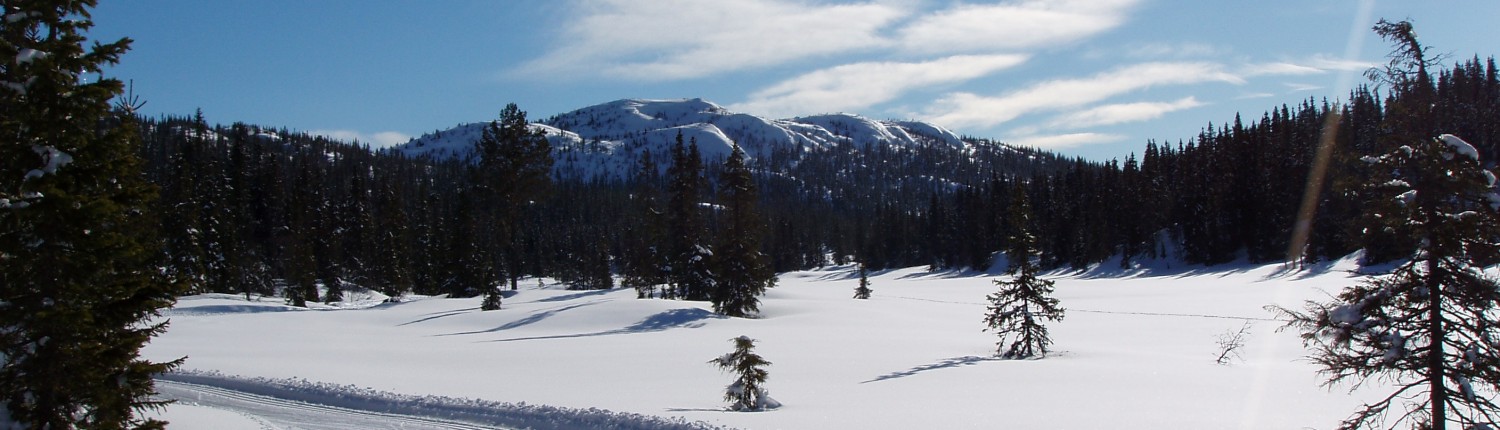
967,360
675,318
528,320
578,295
437,315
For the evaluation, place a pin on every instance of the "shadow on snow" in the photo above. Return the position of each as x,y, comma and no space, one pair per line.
967,360
675,318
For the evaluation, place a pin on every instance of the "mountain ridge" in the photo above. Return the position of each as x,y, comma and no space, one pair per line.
604,141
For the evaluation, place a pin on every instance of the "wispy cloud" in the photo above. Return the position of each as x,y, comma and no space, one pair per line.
1317,64
1063,141
1123,113
967,109
852,87
679,39
1012,25
383,139
1171,50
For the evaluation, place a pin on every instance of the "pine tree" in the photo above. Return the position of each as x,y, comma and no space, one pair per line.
1429,327
1016,311
746,392
863,291
645,240
688,255
79,279
742,270
513,168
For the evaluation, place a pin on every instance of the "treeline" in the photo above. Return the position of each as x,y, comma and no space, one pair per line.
1234,191
254,210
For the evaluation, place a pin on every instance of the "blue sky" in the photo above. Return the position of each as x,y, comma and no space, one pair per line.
1093,78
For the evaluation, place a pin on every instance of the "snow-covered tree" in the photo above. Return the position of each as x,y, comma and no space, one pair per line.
1431,327
80,280
1017,311
746,392
863,290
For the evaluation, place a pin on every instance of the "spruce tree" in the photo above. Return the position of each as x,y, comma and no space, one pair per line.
513,165
746,392
1429,326
645,242
863,291
1017,311
688,254
742,270
80,286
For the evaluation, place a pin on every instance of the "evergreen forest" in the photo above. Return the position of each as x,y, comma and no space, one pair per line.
258,210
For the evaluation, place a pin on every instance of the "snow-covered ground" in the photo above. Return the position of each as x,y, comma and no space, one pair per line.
1134,352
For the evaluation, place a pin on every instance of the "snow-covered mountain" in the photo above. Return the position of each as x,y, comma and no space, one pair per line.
608,139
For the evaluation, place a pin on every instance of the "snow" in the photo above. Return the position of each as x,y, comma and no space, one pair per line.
1136,352
28,55
1460,147
604,141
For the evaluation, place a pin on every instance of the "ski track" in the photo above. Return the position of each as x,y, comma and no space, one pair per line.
277,413
299,404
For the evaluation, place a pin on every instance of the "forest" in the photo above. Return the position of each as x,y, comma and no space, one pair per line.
252,209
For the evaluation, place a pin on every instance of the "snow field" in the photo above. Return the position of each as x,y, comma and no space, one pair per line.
1134,352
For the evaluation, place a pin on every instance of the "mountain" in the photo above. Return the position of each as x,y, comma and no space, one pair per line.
604,141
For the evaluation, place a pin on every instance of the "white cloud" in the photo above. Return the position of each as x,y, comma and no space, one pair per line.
852,87
1316,64
679,39
1300,87
1012,25
1171,50
383,139
1062,141
967,109
1124,112
1279,68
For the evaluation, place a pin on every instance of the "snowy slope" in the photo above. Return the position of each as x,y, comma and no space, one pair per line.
1135,352
607,139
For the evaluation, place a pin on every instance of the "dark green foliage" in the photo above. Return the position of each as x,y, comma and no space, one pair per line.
746,393
863,290
688,254
1430,325
742,273
512,168
1018,310
79,278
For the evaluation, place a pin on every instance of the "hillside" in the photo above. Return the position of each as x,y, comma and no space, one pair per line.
604,141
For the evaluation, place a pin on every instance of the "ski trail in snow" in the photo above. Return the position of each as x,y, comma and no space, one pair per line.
287,414
301,404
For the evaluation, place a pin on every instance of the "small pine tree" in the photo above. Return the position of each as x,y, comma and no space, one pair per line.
492,299
863,291
1016,311
746,392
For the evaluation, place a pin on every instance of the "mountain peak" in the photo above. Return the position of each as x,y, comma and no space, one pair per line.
607,138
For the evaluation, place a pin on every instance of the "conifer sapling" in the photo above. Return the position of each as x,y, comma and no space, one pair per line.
746,392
